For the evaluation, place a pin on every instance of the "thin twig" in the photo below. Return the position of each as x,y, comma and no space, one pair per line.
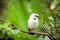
43,12
52,24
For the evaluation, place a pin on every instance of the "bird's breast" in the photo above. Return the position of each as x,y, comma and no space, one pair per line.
33,24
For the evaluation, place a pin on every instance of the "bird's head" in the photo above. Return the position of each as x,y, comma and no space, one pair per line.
34,15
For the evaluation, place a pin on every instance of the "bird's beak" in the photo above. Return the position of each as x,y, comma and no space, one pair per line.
37,15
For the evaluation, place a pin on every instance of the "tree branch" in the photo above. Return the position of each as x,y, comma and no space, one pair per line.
38,33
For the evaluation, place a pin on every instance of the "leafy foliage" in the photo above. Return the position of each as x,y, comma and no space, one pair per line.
18,12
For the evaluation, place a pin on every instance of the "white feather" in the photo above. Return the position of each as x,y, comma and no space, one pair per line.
33,24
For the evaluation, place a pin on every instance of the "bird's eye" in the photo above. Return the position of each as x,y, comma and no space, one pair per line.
34,18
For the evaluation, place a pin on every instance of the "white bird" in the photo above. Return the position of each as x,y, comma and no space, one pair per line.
33,22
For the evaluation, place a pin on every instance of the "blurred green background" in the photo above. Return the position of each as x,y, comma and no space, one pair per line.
17,12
